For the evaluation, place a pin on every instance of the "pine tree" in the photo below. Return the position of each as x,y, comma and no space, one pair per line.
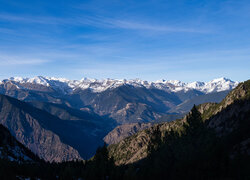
101,166
194,123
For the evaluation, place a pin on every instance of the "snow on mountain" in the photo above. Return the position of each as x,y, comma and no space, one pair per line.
39,80
195,85
176,82
216,85
67,86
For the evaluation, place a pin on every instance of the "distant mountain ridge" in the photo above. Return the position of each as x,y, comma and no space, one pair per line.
95,85
125,101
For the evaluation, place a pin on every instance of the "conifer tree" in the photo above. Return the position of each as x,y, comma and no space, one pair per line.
194,122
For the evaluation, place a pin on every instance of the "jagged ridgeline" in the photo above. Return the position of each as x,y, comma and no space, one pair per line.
217,145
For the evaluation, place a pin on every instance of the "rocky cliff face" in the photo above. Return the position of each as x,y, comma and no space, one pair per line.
123,131
31,127
12,150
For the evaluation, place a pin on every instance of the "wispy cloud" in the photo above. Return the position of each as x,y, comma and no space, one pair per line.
8,60
133,25
142,25
102,22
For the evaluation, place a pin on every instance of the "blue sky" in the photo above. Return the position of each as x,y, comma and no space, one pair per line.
186,40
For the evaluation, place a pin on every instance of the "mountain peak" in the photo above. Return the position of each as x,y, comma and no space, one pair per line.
221,79
65,85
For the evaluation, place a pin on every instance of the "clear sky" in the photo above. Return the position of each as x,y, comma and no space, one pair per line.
186,40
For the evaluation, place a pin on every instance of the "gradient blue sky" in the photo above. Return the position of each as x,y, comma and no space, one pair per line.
186,40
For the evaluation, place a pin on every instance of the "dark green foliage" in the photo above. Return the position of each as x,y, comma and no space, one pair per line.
194,125
197,153
43,170
101,166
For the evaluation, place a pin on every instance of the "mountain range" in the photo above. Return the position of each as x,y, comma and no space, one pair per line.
60,119
210,142
67,86
126,101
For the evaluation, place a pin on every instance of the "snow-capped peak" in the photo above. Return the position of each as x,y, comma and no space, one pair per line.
220,84
222,79
96,85
175,82
18,79
39,80
195,84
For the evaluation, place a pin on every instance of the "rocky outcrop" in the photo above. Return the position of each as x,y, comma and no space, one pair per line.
123,131
134,148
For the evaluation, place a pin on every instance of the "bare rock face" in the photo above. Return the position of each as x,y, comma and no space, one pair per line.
12,150
130,149
135,112
29,126
123,131
204,107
